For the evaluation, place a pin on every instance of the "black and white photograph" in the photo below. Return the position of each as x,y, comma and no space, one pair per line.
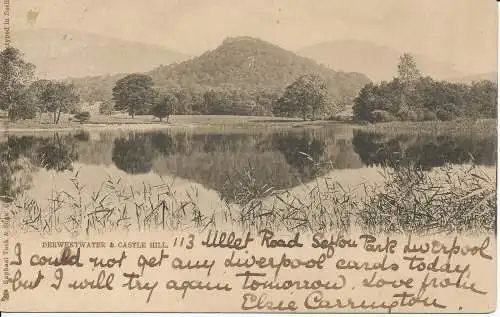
249,156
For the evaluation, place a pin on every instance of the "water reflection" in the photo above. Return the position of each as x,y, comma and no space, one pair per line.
56,153
236,165
302,152
425,151
19,156
134,154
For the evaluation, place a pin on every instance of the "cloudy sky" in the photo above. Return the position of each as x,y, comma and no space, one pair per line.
463,32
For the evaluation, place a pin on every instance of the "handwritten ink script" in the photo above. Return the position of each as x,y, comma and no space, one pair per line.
256,272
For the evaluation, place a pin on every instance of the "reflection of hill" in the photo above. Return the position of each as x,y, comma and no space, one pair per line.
426,151
227,162
280,161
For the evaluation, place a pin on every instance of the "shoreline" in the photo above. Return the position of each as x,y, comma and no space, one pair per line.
241,122
184,122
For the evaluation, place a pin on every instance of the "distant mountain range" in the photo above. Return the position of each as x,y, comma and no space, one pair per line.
376,61
94,63
239,63
60,54
491,76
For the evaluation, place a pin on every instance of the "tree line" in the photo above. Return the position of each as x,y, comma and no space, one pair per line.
306,97
413,97
409,96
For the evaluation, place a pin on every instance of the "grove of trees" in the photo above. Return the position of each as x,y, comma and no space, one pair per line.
411,96
306,97
55,97
22,96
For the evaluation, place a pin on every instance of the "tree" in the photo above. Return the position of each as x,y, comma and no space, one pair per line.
164,107
216,102
38,89
483,96
106,107
448,112
408,75
134,93
59,97
15,75
23,104
184,101
408,72
365,103
306,95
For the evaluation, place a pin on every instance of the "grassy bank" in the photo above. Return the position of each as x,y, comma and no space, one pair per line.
124,121
448,199
480,127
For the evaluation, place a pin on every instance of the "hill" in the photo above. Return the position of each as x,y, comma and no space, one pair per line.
377,62
250,63
243,65
60,54
491,76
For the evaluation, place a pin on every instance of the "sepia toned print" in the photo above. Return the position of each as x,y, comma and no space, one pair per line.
249,156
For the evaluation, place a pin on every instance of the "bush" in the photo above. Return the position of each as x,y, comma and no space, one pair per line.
82,116
22,111
408,115
382,116
106,107
448,112
444,115
164,107
428,115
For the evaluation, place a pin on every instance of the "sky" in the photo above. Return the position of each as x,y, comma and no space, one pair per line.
463,32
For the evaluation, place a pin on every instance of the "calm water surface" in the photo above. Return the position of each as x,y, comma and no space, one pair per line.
220,164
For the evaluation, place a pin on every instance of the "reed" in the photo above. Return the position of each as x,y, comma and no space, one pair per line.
409,200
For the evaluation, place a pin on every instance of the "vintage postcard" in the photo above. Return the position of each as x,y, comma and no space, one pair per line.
270,156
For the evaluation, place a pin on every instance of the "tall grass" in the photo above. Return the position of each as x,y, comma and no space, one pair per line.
458,199
447,199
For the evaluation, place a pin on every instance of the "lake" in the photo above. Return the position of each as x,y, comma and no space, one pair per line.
213,168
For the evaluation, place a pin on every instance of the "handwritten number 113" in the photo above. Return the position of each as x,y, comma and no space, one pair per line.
189,241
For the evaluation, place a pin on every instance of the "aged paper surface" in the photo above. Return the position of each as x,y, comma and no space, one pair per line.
250,156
